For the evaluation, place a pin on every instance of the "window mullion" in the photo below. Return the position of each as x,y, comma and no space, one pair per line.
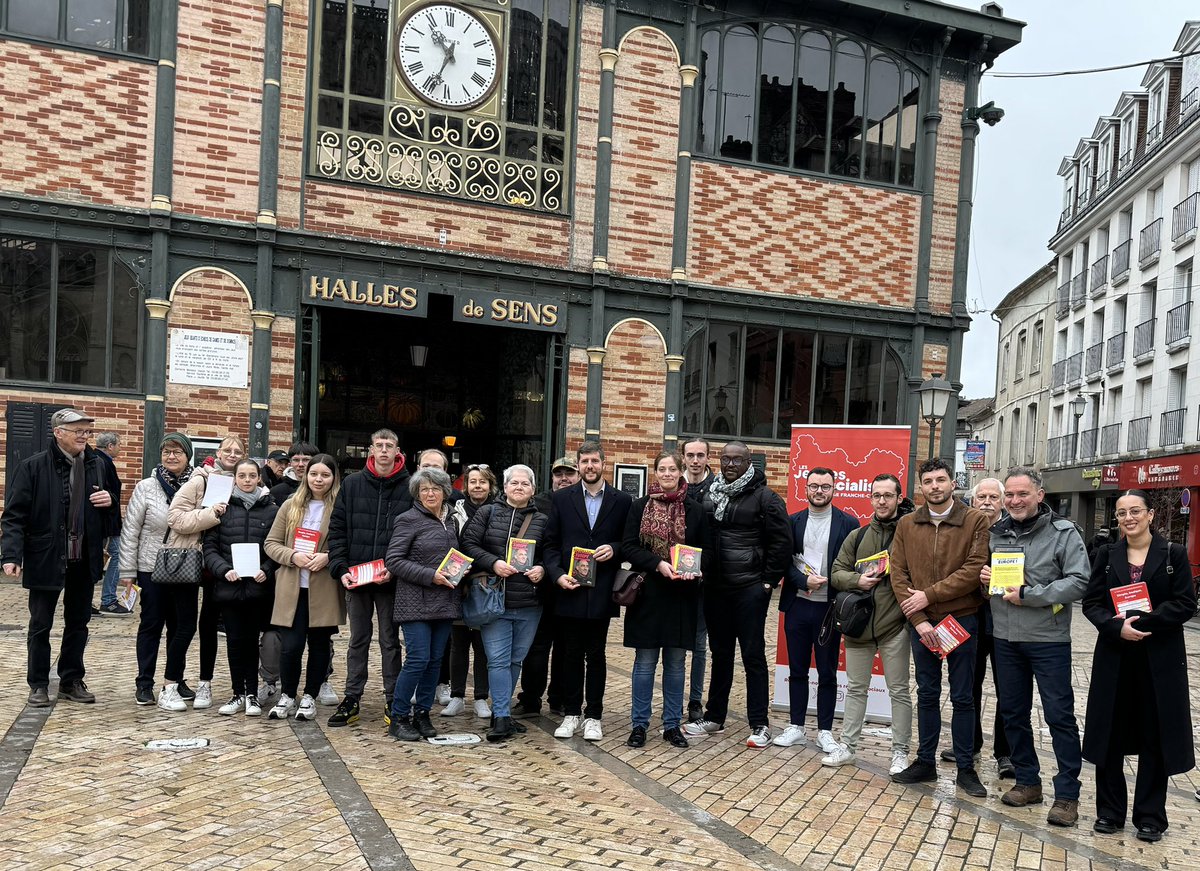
778,381
52,350
834,44
791,162
740,374
752,128
703,427
813,361
108,322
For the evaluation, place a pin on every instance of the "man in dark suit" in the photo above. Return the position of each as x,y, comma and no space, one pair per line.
590,515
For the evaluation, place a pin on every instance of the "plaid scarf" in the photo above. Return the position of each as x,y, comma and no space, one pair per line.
169,481
720,492
664,521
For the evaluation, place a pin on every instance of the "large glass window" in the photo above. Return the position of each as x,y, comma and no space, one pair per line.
507,144
809,100
71,315
756,382
116,25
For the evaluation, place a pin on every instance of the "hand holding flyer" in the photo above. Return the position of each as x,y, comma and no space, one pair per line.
1131,597
366,573
950,634
877,564
306,540
583,569
454,566
1008,572
520,553
685,560
217,490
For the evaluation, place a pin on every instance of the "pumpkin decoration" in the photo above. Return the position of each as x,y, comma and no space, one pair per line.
402,409
472,418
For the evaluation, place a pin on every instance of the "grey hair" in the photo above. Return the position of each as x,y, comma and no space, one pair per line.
1034,476
996,481
519,467
107,440
433,476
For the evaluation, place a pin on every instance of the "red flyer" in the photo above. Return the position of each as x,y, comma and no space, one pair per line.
1131,597
306,540
950,634
366,573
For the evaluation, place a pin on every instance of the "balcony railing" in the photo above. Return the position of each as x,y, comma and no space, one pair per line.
1154,133
1063,300
1110,439
1054,450
1150,241
1143,338
1183,219
1079,289
1124,162
1087,444
1093,360
1102,180
1189,103
1099,275
1170,428
1058,374
1065,217
1120,260
1139,434
1179,323
1115,352
1074,367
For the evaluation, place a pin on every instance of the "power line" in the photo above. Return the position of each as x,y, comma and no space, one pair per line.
1091,70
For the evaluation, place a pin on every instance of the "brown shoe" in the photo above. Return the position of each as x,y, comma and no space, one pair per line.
1021,795
1065,812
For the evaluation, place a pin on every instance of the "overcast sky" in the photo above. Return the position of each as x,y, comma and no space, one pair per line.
1018,193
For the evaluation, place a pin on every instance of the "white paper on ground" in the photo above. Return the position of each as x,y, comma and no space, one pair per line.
217,489
246,560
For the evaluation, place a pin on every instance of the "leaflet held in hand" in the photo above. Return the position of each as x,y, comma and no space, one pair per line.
217,489
127,596
306,540
583,566
1131,597
366,573
950,634
685,560
247,560
454,566
877,563
1008,571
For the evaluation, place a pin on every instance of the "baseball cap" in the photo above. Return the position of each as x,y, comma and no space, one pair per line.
281,456
565,463
64,416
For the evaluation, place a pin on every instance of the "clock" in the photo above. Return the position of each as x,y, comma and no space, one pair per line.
447,56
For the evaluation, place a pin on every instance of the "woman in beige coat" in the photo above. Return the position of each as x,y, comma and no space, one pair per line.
309,603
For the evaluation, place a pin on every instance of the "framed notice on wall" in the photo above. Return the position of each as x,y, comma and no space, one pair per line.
630,479
208,358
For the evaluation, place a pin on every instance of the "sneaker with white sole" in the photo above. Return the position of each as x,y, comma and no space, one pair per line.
760,737
253,708
265,691
899,762
203,696
456,707
825,741
326,696
839,755
170,700
283,708
482,709
441,694
592,730
792,736
231,707
566,729
307,709
702,729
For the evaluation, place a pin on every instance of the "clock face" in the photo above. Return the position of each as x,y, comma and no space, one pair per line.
447,56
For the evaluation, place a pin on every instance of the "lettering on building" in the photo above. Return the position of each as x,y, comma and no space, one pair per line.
362,293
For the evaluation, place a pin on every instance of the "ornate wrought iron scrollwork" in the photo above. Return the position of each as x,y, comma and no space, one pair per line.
482,178
364,158
520,184
329,153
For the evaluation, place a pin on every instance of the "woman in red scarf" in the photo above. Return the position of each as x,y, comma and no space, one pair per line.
663,618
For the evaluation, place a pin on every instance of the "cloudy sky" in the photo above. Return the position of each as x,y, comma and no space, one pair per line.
1018,192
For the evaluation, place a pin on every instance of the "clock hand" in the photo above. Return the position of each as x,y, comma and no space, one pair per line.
438,38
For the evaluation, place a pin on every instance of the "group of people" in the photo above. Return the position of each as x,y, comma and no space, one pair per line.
284,567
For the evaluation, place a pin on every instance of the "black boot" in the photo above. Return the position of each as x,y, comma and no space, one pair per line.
402,729
502,729
420,721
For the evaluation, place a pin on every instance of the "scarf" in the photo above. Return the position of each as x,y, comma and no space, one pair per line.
78,487
720,492
169,481
664,521
247,499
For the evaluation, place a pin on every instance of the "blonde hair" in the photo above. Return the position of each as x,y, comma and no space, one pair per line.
297,504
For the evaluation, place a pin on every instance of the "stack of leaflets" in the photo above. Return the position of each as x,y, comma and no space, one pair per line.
685,560
583,566
520,553
454,566
877,564
950,634
805,567
366,573
306,540
1131,597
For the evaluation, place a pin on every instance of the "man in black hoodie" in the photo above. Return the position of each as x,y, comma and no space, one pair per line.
298,457
360,528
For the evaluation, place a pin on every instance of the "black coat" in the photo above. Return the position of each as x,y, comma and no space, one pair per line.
113,485
1168,578
485,540
665,612
241,525
363,518
841,525
33,528
283,491
752,543
568,528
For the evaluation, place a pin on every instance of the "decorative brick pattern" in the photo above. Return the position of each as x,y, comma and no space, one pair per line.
283,384
587,114
577,369
293,86
77,127
631,422
945,197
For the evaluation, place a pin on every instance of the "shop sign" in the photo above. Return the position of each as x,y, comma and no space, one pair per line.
364,292
975,456
1111,475
489,308
1093,477
1181,470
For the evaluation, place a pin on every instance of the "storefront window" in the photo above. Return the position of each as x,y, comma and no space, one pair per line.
115,25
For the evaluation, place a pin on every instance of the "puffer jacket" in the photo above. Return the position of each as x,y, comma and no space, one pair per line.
752,543
363,518
485,540
1056,573
419,543
942,559
241,525
877,535
188,521
144,527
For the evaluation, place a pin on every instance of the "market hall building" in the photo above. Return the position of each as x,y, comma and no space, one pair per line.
504,225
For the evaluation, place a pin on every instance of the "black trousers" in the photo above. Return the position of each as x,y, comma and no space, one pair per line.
210,617
540,669
243,622
293,639
985,650
581,643
463,641
77,611
737,616
172,606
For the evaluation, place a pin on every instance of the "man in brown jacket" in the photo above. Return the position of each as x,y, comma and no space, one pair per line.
937,554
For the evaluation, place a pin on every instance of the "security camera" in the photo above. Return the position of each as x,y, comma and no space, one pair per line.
989,113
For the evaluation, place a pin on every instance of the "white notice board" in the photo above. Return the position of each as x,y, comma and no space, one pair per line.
209,358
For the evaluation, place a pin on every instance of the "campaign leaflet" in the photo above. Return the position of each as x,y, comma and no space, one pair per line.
455,565
520,553
127,595
583,566
366,573
1008,571
950,634
806,568
247,560
1131,597
877,563
306,540
685,560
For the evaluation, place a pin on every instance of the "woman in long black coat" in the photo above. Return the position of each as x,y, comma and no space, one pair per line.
1138,701
663,617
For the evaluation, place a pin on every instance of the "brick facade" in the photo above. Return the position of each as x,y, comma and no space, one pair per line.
945,198
587,117
634,393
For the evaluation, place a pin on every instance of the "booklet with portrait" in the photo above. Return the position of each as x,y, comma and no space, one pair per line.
950,634
1008,570
520,553
685,560
454,566
876,563
583,566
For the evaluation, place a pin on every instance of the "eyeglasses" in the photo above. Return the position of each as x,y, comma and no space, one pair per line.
78,432
824,488
173,452
430,490
1134,513
884,497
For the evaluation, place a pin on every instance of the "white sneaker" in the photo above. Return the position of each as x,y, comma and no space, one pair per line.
231,707
441,694
702,729
170,700
283,708
456,707
759,738
482,709
326,695
567,728
253,708
592,730
307,709
899,762
203,696
825,741
265,691
792,736
839,755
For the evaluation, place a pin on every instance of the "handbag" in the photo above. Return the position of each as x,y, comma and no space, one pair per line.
852,611
484,602
627,585
177,565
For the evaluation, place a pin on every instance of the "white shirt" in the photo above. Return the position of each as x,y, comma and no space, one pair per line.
816,549
937,518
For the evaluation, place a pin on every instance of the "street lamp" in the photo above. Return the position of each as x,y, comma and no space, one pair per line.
1078,407
935,394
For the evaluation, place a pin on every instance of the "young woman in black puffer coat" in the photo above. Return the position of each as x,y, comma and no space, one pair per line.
245,601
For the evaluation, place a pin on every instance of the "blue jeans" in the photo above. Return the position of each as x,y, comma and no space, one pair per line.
424,643
961,668
108,593
1017,663
699,657
506,640
645,662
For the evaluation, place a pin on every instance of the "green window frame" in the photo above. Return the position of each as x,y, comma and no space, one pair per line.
122,27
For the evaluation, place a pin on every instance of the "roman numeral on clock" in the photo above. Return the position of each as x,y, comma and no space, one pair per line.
449,17
484,62
416,67
431,83
478,79
481,43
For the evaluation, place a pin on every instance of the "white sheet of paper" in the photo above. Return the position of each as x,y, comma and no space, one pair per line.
246,560
217,489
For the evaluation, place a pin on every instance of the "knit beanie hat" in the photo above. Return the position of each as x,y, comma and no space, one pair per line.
182,440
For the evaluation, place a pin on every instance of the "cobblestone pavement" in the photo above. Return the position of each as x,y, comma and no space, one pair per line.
79,790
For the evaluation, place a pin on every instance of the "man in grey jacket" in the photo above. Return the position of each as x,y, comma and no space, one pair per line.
1032,629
